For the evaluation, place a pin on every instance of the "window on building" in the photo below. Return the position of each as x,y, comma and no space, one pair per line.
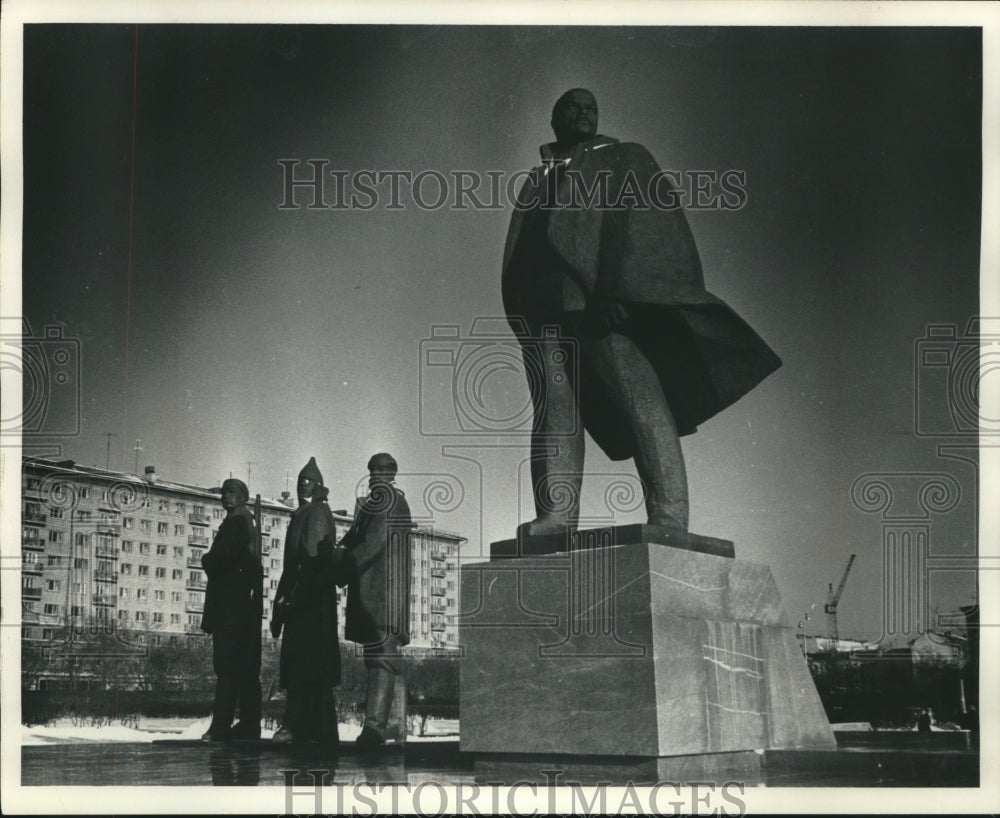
157,618
127,523
161,573
177,573
143,570
34,483
53,584
159,596
180,508
175,619
164,505
179,530
126,546
218,513
194,576
140,593
162,528
146,502
76,610
198,510
178,552
161,550
56,512
79,562
54,559
124,593
175,596
55,536
126,568
51,609
145,525
144,548
140,616
85,492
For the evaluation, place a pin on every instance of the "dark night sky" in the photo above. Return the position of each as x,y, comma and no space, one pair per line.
248,333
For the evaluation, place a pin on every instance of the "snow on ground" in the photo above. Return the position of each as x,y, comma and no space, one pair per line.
64,731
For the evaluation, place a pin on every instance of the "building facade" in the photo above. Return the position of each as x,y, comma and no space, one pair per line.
105,551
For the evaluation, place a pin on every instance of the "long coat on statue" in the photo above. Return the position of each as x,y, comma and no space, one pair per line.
376,568
310,647
705,355
232,612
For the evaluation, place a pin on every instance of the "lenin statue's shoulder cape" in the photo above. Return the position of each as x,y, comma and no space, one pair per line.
705,355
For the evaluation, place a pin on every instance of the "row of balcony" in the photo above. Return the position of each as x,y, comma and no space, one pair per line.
32,568
104,600
31,593
34,545
196,584
33,518
199,519
105,576
194,562
108,552
197,539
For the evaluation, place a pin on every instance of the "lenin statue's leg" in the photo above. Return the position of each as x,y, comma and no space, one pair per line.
626,374
557,440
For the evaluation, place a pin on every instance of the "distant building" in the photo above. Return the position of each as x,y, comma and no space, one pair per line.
103,549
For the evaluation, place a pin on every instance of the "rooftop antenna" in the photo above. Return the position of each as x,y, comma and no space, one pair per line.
249,464
108,466
138,449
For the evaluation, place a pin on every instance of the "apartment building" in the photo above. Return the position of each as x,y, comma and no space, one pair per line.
105,550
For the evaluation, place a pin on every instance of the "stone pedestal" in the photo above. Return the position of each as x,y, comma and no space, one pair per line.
644,651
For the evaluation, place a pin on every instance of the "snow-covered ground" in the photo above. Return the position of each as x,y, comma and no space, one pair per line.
64,731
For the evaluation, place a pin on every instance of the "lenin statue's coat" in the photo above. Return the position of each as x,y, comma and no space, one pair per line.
705,355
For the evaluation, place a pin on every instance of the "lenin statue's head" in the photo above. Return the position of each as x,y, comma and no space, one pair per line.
574,117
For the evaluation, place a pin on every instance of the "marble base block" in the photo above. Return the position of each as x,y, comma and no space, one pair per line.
634,650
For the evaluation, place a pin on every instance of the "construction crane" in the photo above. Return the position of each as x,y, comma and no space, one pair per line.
833,597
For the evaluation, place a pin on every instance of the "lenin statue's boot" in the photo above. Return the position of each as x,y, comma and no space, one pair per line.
248,726
223,710
378,707
557,441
